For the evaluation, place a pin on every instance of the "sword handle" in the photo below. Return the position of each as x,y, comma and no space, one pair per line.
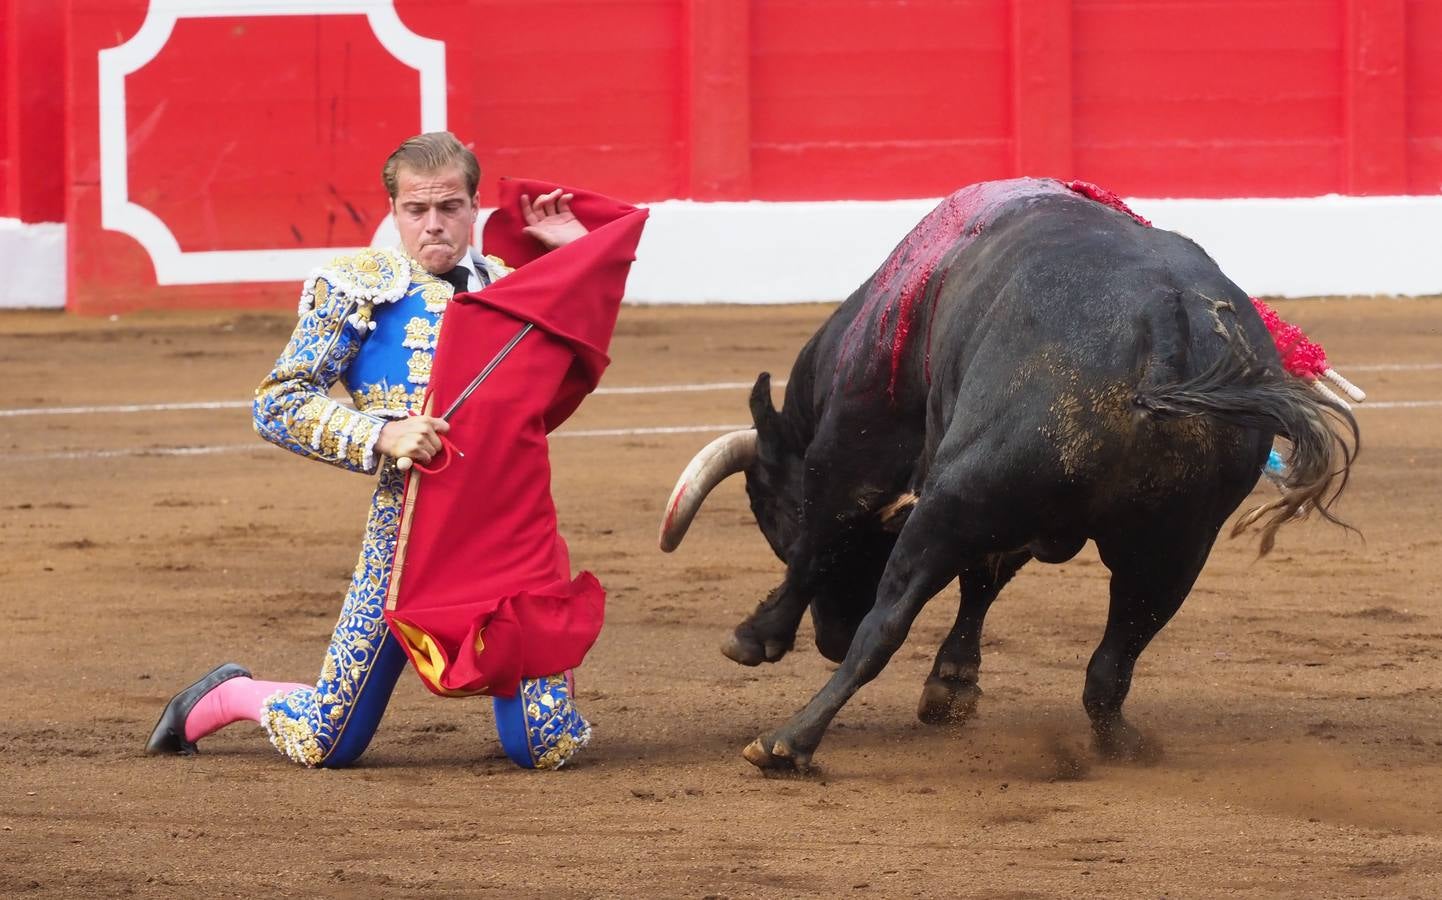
448,450
405,463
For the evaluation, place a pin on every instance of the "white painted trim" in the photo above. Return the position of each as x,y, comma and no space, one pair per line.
627,390
1394,367
120,408
259,446
657,431
758,252
119,213
32,265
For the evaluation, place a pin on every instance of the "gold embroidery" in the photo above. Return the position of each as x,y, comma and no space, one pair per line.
366,268
367,276
555,728
436,295
372,269
421,334
390,398
361,451
335,433
563,749
419,366
361,318
293,737
307,420
499,266
307,724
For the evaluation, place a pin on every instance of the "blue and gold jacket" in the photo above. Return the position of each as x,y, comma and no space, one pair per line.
370,321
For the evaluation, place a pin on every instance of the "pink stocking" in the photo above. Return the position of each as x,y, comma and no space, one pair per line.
231,701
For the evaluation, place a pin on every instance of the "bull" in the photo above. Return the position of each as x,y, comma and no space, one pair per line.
1028,370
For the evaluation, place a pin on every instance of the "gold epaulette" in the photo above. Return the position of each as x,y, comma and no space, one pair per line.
498,267
367,277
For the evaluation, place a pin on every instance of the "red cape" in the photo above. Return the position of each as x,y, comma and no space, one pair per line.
481,593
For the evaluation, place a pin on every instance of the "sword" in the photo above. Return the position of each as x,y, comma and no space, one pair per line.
405,462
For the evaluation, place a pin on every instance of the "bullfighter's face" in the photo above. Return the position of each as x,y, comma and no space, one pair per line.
435,216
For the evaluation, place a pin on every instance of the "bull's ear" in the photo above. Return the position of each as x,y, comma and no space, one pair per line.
763,412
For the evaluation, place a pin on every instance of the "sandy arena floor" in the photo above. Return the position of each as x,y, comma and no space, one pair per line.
1297,697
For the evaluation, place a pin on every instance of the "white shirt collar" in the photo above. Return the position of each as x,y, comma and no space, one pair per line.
471,264
474,263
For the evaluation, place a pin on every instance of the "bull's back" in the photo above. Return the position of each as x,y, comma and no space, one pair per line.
1050,325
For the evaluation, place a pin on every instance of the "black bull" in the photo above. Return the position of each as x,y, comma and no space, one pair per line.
1029,369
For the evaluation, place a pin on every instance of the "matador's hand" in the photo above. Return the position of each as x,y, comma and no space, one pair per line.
549,219
416,438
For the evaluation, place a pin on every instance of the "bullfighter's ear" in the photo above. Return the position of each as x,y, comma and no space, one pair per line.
763,412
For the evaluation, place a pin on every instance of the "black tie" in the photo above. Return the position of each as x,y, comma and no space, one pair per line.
459,277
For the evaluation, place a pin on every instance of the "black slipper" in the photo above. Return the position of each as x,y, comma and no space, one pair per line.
169,733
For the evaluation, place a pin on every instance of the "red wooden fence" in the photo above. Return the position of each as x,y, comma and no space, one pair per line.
263,133
32,112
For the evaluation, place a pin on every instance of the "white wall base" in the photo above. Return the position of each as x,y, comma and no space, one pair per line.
794,252
32,265
1314,246
788,252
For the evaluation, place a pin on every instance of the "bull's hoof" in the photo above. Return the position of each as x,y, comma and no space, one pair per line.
745,652
774,755
946,702
748,650
1123,742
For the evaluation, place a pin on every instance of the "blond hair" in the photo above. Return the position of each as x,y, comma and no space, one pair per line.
431,152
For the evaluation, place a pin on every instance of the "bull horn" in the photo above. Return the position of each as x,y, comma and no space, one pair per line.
719,459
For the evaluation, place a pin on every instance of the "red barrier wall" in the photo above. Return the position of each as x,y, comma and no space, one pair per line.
7,95
32,112
247,134
1423,85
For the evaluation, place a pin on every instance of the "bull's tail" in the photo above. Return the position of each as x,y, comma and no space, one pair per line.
1241,391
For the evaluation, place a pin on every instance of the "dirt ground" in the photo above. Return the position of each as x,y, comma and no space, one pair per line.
1296,696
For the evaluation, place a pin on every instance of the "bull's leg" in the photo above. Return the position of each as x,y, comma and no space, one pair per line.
1153,569
769,633
924,560
951,691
